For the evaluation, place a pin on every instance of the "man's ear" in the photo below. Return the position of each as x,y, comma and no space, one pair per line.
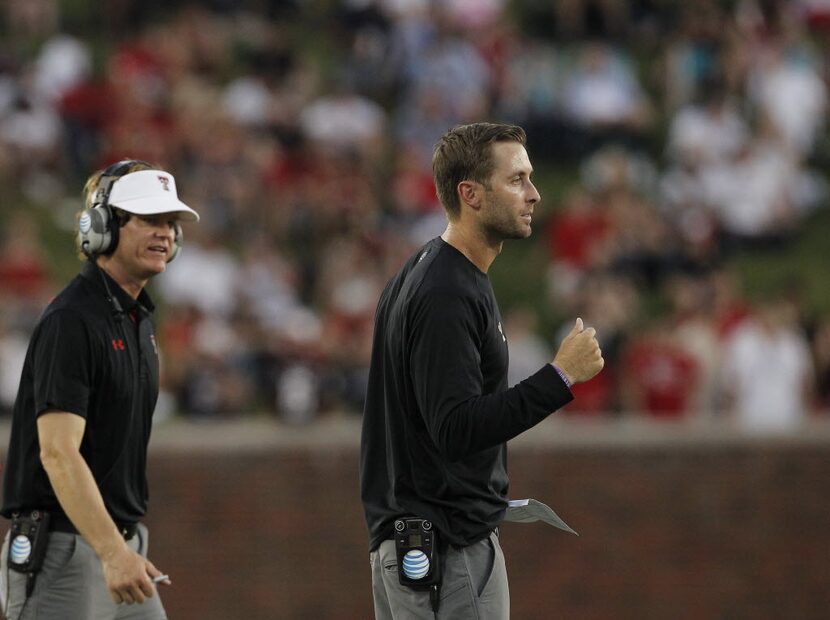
469,193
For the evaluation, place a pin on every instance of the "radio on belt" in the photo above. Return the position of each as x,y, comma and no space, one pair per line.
416,543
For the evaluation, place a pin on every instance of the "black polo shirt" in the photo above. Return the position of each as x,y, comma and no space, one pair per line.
89,359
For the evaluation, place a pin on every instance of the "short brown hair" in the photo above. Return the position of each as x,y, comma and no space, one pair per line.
464,154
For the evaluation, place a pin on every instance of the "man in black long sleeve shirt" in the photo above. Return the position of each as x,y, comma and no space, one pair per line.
438,411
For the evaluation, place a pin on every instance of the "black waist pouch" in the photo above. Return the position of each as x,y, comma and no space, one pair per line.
28,538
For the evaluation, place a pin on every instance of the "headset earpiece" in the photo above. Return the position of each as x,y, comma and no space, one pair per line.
178,237
97,226
96,232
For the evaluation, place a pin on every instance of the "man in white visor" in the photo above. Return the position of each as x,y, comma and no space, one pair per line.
75,485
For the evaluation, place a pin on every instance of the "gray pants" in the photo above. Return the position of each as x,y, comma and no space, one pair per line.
474,586
71,585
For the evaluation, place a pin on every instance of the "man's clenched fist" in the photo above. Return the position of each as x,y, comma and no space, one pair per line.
579,356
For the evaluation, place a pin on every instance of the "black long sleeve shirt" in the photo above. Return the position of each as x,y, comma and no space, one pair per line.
438,411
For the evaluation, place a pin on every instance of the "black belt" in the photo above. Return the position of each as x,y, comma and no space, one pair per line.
61,523
495,531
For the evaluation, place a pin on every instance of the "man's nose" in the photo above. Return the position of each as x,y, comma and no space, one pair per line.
533,195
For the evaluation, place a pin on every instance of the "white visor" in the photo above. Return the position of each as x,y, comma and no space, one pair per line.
149,192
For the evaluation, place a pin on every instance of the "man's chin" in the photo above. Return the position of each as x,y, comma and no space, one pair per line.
522,233
506,233
155,268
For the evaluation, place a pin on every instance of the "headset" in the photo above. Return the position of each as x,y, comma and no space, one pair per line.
98,228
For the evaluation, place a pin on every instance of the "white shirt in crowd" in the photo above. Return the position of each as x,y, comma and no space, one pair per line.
767,370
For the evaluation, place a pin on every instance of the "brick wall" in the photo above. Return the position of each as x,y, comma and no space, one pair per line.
722,530
268,525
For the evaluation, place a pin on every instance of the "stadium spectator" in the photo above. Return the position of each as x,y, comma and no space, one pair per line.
760,400
658,376
820,348
707,133
578,236
344,120
24,275
13,344
604,99
694,331
693,53
788,91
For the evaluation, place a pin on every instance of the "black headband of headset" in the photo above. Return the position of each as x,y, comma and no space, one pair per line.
110,175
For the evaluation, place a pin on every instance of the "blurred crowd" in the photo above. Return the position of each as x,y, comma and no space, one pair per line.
689,134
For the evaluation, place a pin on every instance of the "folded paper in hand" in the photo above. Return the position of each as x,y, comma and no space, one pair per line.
530,510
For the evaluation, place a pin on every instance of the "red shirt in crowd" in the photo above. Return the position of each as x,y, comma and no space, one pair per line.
661,378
